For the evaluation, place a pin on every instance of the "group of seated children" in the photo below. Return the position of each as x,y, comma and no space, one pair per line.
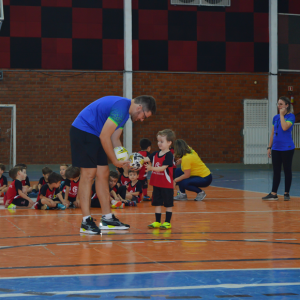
60,191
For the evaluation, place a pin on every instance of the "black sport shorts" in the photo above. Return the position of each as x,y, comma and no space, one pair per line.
86,148
162,197
144,183
20,202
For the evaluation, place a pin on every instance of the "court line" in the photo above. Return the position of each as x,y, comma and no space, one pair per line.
179,212
152,272
197,287
154,239
135,233
151,263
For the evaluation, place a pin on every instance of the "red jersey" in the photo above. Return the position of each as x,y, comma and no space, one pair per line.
124,180
135,188
142,172
26,181
163,179
12,191
46,192
73,187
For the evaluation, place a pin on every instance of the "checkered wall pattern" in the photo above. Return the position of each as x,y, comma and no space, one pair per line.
80,34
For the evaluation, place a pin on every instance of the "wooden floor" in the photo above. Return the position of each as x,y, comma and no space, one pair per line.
230,229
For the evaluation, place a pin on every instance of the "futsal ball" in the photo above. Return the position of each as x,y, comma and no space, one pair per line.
136,160
121,153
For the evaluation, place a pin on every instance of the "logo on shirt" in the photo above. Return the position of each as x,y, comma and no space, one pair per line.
75,188
157,164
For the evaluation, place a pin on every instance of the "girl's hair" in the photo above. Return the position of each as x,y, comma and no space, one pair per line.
290,108
169,134
181,148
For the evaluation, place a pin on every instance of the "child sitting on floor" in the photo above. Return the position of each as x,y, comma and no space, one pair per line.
26,188
3,181
49,195
70,191
44,179
62,171
134,187
15,197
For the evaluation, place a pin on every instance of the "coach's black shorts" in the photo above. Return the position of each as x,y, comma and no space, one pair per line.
162,197
86,148
20,202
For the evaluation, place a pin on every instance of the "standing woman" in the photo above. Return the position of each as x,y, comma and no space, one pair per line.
281,147
193,174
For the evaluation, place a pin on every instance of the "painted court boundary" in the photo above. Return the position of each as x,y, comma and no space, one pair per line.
198,287
153,272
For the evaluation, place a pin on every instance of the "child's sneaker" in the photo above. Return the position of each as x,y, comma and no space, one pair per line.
180,196
11,206
154,225
166,225
89,227
146,198
116,203
121,206
287,197
72,205
61,206
44,207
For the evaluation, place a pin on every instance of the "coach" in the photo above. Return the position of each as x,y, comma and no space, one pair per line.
94,134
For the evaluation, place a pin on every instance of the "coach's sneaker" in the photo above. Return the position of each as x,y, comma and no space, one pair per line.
61,206
112,223
165,225
146,198
287,197
154,225
270,197
11,206
89,227
200,196
180,196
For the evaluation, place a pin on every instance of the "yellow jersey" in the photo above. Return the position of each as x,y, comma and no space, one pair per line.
191,161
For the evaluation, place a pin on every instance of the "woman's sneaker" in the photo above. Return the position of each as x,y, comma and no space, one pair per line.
270,197
89,227
166,225
112,223
200,196
287,197
180,196
154,225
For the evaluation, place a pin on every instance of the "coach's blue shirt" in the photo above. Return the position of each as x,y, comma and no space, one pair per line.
92,118
283,140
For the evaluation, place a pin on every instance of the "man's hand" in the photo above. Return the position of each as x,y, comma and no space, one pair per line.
121,163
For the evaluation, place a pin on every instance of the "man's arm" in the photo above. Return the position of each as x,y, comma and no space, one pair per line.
115,138
106,141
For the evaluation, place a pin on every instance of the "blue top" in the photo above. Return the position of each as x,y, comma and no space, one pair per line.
283,140
92,118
